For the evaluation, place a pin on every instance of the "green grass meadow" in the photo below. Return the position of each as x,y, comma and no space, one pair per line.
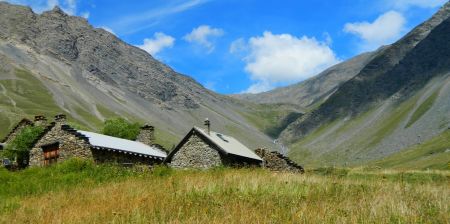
79,191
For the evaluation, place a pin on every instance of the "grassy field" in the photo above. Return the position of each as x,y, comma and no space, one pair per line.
81,192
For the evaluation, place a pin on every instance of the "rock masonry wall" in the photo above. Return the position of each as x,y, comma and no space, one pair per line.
275,161
105,156
196,153
146,135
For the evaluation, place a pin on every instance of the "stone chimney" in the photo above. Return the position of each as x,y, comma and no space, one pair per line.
40,120
60,119
208,126
146,135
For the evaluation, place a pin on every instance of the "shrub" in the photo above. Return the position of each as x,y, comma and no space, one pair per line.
119,127
20,147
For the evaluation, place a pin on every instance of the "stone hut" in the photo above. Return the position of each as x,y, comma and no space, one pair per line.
60,142
275,161
206,149
39,120
16,130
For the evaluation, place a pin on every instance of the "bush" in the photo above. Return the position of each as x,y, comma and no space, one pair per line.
120,128
20,147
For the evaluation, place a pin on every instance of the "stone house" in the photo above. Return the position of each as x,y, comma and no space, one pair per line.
204,149
60,142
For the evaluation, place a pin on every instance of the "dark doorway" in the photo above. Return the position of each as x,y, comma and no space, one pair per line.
51,153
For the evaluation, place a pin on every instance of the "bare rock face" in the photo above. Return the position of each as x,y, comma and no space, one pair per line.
101,54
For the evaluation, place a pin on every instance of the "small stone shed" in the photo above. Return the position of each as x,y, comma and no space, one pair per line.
60,142
204,149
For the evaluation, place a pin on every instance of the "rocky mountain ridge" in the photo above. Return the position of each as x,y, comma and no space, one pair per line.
398,98
90,74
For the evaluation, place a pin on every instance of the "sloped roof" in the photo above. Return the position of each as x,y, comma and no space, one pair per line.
105,141
226,143
20,123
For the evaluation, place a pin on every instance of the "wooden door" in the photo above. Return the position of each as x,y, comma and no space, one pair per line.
51,154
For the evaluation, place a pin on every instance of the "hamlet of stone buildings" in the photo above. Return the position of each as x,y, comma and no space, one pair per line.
199,149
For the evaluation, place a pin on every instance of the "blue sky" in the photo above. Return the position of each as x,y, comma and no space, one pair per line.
236,46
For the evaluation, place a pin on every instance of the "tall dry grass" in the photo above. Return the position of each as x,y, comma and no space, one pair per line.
242,196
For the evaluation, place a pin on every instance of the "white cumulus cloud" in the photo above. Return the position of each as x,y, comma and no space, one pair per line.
284,59
386,29
157,43
204,35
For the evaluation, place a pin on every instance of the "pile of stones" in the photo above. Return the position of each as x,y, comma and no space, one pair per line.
275,161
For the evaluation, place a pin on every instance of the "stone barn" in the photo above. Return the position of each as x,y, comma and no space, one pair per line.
60,142
204,149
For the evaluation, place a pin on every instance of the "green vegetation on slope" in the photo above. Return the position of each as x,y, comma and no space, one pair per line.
392,122
344,142
23,96
432,154
423,108
271,119
166,139
80,192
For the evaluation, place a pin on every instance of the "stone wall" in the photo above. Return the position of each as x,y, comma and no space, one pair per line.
105,156
275,161
146,135
196,153
70,145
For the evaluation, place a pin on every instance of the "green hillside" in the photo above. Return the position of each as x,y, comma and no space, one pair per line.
432,154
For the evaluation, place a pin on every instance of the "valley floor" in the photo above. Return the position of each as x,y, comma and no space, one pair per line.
81,192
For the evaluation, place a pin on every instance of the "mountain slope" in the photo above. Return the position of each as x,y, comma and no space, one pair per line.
315,89
400,98
90,74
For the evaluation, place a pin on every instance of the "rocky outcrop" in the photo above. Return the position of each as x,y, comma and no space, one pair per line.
99,53
275,161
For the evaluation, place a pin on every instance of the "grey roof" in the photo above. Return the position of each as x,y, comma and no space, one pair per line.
229,144
105,141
